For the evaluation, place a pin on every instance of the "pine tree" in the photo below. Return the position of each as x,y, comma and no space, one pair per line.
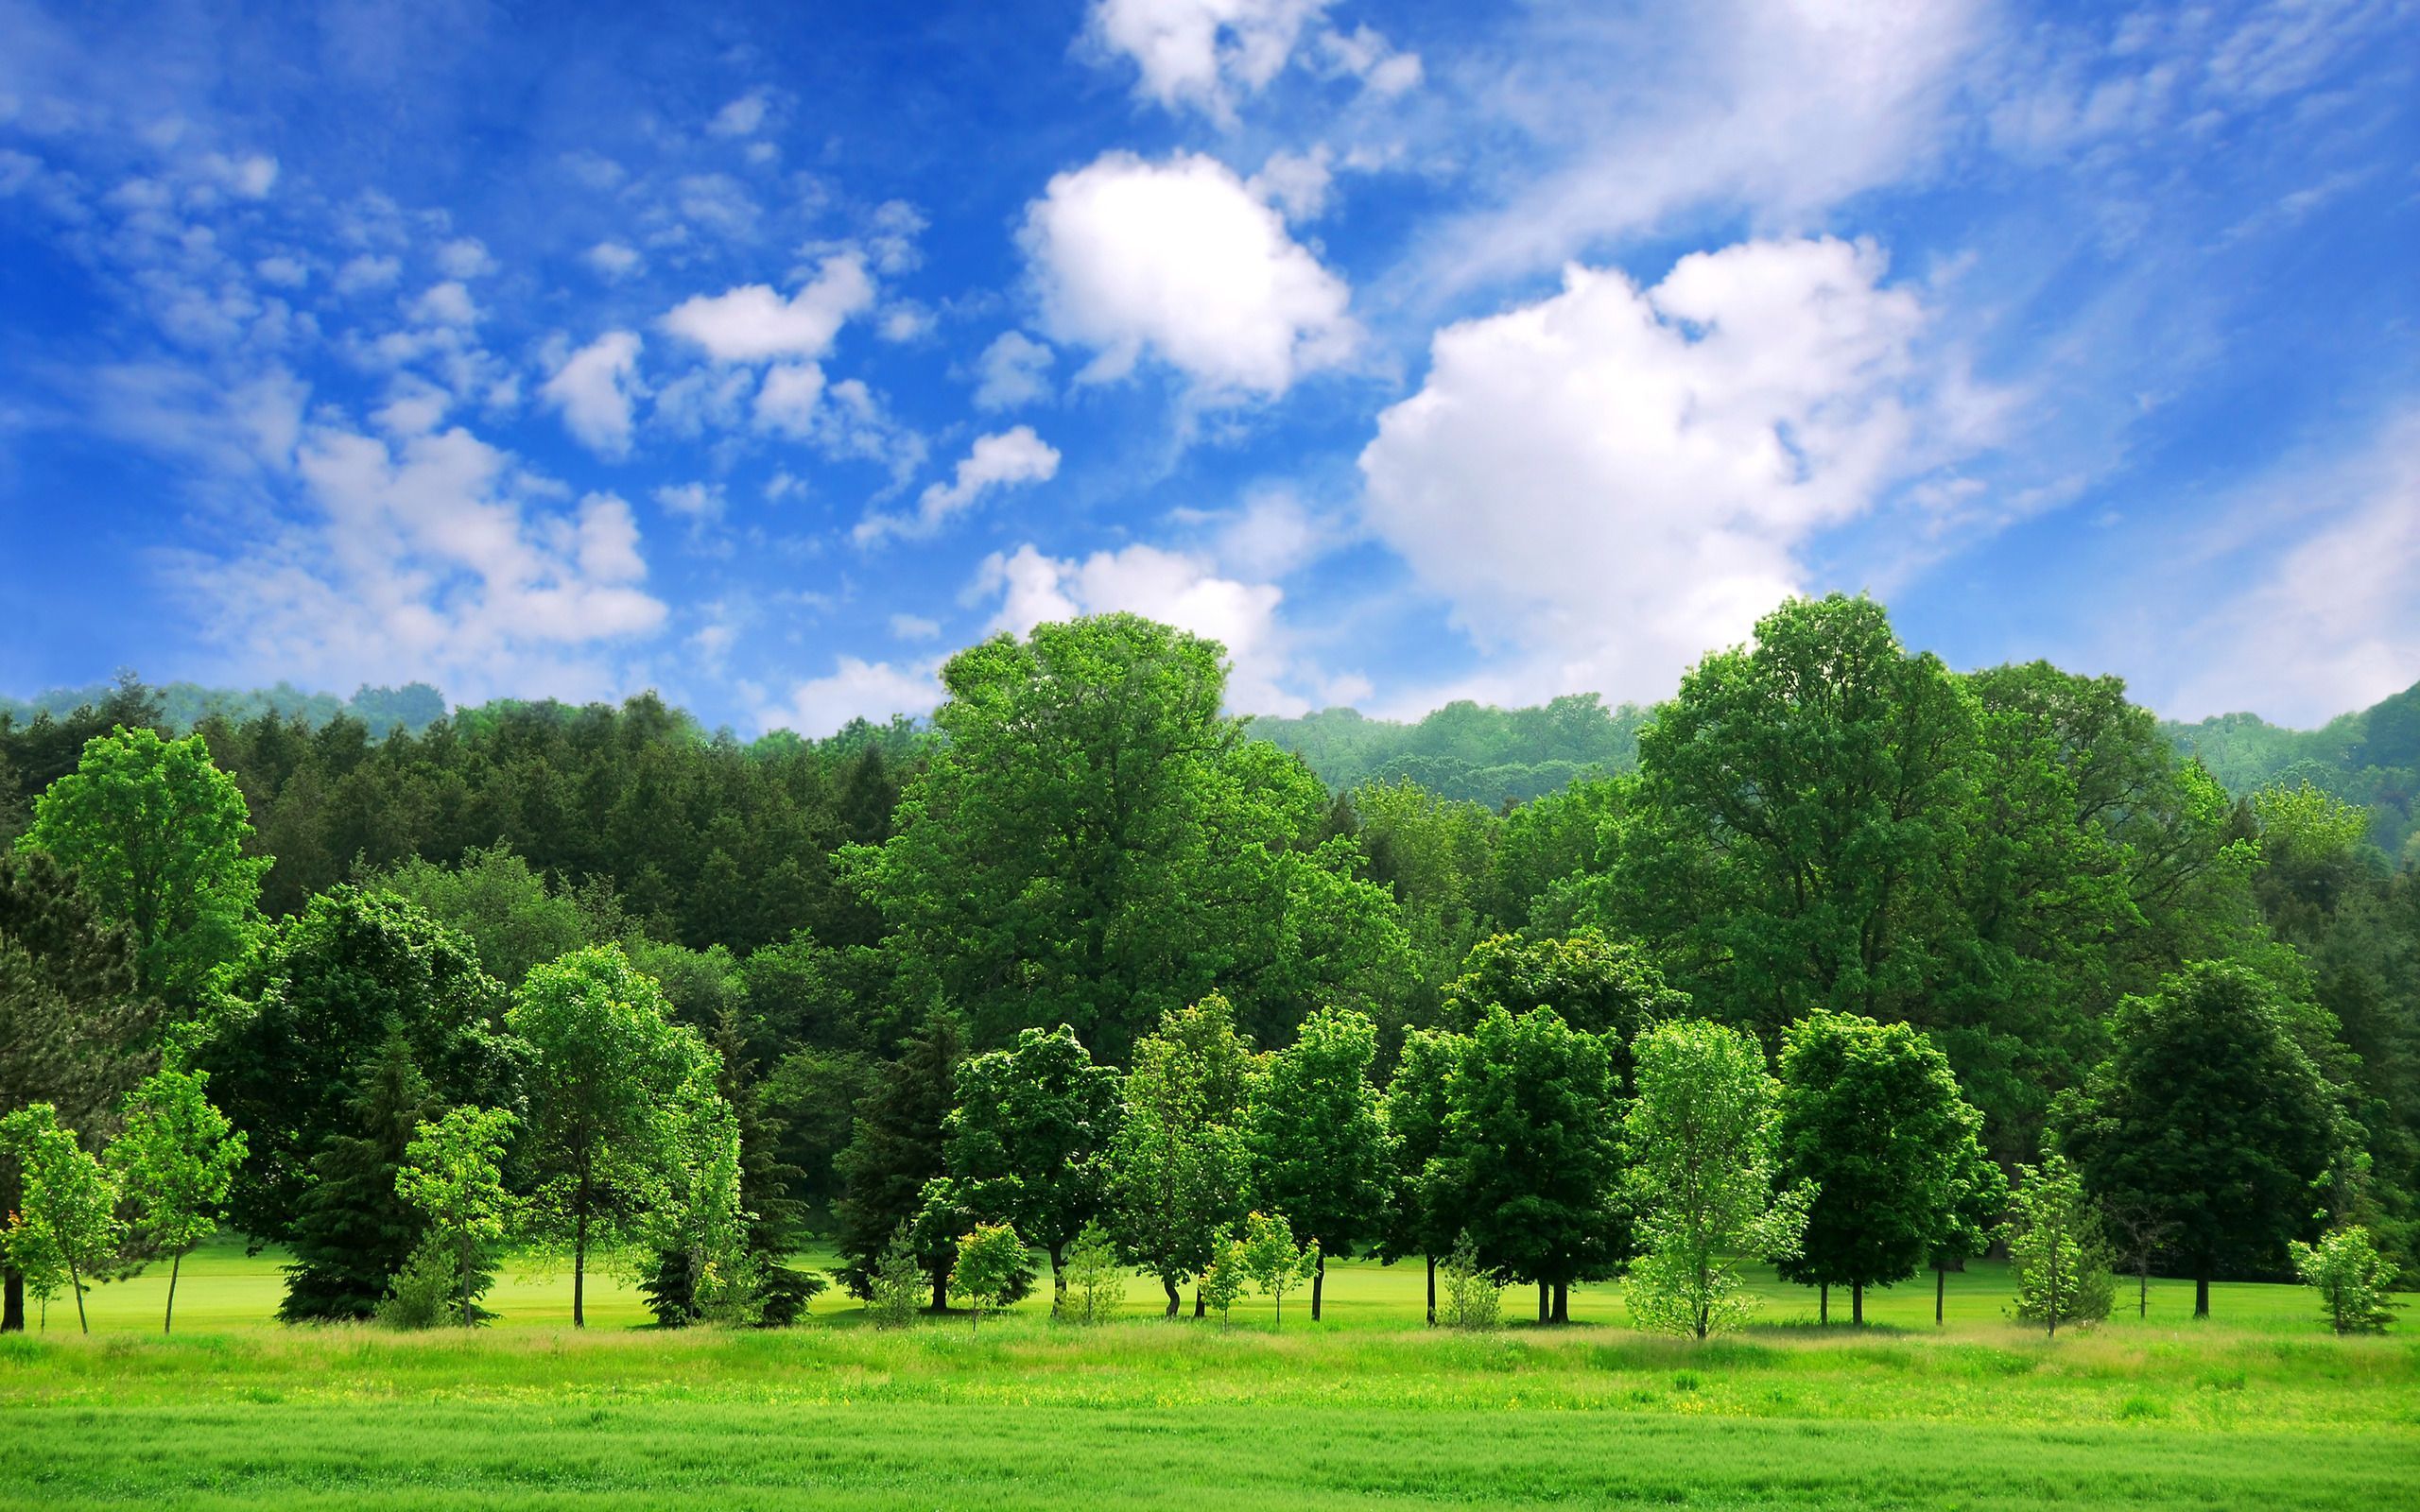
354,1232
898,1148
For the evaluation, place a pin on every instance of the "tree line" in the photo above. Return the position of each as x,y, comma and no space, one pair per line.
881,986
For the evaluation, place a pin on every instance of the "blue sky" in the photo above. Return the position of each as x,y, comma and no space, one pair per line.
763,355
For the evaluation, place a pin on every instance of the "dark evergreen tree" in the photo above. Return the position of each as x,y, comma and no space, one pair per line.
899,1145
353,1231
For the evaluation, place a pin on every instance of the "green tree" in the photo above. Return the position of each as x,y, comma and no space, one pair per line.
329,987
991,1261
1978,1201
1025,1140
505,908
2062,1266
1872,1120
1180,1173
1096,1276
1095,844
1474,1297
2209,1114
2351,1277
353,1231
1528,1157
67,1214
898,1148
1272,1258
1701,1138
1594,984
453,1172
1221,1283
695,1220
894,1285
155,834
611,1066
1320,1155
74,1032
175,1160
1416,1110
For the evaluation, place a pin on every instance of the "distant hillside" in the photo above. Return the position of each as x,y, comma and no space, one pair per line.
2370,758
413,707
1465,750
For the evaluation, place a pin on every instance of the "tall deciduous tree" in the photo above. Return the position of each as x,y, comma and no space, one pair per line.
1421,1218
1530,1154
1701,1138
155,834
74,1032
453,1172
609,1067
2209,1114
67,1212
1596,984
1321,1154
1179,1170
331,986
1025,1141
1872,1119
1095,844
1978,1201
175,1160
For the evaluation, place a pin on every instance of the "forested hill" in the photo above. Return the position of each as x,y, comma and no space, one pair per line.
411,708
1466,751
2370,758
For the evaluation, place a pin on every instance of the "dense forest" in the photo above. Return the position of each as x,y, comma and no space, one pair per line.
1087,954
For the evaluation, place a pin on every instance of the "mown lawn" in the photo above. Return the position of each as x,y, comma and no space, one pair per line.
2259,1408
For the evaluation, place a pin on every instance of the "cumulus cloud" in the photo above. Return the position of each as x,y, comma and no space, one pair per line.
614,261
446,303
1004,460
1208,55
367,272
465,257
594,388
1613,480
1182,260
1176,588
741,117
786,403
432,556
855,689
1014,371
914,627
753,323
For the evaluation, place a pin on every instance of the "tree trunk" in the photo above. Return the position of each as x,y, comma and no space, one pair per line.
1857,1304
464,1266
1057,1283
1562,1301
941,1291
579,1260
76,1284
168,1319
1940,1288
1319,1278
1823,1303
2143,1291
1168,1283
1432,1294
12,1309
2202,1290
1545,1303
1197,1309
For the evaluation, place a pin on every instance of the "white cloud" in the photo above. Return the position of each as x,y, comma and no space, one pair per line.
434,556
613,261
594,387
786,403
1614,480
465,257
286,272
367,272
1365,55
904,321
856,689
2331,621
1271,536
914,627
698,503
1295,182
753,323
741,117
447,303
1173,587
1012,372
1209,55
999,461
1181,259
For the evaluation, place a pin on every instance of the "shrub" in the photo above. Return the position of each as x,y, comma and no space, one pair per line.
1095,1280
427,1292
2351,1277
896,1285
1473,1299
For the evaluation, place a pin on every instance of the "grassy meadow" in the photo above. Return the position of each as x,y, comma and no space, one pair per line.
2257,1408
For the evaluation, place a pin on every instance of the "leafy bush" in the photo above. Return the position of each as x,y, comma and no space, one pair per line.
896,1286
2351,1277
1473,1299
1095,1280
427,1292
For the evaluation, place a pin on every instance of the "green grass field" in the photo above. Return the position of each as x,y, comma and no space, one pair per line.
2257,1408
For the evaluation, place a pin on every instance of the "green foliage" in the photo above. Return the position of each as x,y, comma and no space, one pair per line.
1528,1157
1095,845
2351,1277
1415,1109
453,1172
1223,1283
991,1261
1025,1141
506,909
1597,985
1274,1261
328,989
695,1220
1437,857
353,1232
1473,1300
1180,1173
897,1148
1094,1277
894,1285
175,1161
1701,1138
66,1215
1872,1121
155,834
430,1289
1465,752
2209,1114
1321,1154
2054,1243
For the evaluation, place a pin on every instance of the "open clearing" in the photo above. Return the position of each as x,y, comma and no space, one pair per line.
2259,1408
